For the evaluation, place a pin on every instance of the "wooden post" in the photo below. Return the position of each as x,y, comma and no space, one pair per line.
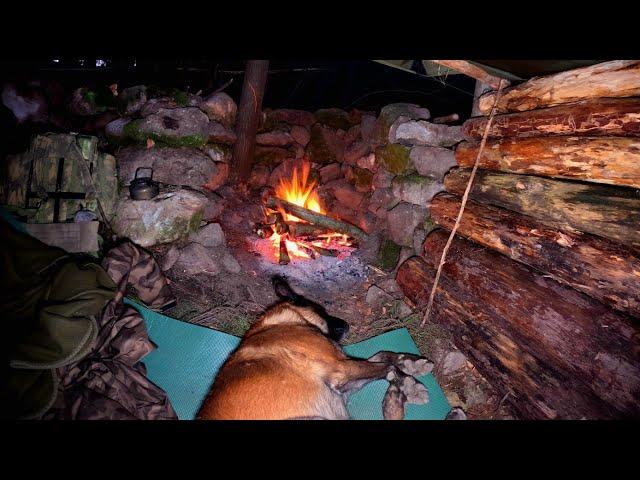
481,88
249,111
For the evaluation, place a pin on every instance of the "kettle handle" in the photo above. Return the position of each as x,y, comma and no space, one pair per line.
143,168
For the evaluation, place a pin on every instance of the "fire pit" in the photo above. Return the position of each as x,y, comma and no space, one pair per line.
296,224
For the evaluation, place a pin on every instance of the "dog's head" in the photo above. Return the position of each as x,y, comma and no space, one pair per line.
333,327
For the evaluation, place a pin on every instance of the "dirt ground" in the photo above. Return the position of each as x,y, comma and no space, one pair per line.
231,302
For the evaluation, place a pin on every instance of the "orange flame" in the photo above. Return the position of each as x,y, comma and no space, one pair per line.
299,190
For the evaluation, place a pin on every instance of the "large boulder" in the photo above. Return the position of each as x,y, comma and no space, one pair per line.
402,221
432,161
427,134
415,189
172,215
210,235
155,104
173,166
221,108
187,126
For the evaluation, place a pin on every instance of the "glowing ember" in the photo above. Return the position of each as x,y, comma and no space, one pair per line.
300,191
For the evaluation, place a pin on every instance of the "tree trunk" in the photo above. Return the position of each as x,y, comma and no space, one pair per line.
603,210
604,116
249,111
611,160
617,78
559,353
604,270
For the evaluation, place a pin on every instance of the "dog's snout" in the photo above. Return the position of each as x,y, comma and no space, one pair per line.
338,329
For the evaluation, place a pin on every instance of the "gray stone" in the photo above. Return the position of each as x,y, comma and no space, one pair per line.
330,172
401,309
218,133
217,153
355,151
390,286
259,176
230,264
183,166
453,361
300,134
292,117
367,129
419,236
427,134
352,135
176,123
376,297
170,258
168,217
345,193
415,189
382,178
402,221
155,104
405,253
432,161
210,235
274,138
196,258
415,112
368,162
115,130
456,414
132,99
213,207
219,178
221,108
382,200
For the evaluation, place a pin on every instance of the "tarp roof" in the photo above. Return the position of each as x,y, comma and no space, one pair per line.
514,70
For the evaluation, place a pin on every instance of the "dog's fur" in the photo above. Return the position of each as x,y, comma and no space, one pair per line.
290,366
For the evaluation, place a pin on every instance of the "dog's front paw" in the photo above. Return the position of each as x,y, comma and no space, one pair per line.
415,391
393,403
414,365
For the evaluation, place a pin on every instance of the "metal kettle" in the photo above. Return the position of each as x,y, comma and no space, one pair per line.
143,188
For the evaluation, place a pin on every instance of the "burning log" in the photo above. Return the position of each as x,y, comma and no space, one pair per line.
284,253
560,353
298,230
315,218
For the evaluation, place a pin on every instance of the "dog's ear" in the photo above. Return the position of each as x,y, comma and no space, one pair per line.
282,289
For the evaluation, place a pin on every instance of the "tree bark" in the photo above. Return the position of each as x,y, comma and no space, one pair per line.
617,78
559,353
604,116
604,270
603,210
610,160
249,112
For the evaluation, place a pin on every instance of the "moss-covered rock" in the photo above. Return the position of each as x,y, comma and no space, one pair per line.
362,179
390,113
415,189
388,255
334,118
131,100
394,158
318,148
178,127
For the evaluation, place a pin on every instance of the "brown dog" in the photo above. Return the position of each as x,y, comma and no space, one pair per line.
290,366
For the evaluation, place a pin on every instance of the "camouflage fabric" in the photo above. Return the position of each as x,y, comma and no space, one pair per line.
85,170
110,382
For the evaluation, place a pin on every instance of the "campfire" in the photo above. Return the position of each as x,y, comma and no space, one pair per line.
298,226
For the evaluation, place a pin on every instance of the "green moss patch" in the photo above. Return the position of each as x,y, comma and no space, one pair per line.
388,255
394,158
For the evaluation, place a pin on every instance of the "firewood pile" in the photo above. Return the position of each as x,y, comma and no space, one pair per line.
540,286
